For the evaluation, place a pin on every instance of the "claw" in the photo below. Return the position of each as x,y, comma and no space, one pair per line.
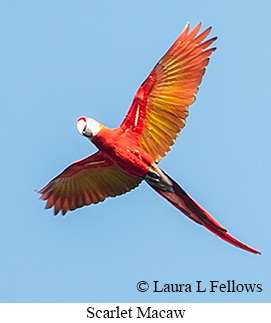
157,178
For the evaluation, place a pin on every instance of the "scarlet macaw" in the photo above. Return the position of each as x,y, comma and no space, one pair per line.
130,153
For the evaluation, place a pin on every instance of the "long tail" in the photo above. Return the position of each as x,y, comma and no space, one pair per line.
170,190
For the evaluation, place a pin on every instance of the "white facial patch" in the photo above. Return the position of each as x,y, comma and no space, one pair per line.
88,127
93,125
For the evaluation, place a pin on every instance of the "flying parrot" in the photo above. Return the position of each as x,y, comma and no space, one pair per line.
130,153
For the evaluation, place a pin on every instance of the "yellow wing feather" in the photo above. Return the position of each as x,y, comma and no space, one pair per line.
161,104
88,181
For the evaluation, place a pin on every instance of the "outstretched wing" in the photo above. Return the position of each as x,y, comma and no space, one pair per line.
160,106
87,181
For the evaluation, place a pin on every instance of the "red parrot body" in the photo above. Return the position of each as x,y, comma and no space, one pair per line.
129,154
122,148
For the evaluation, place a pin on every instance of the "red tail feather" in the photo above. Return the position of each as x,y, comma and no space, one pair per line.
182,201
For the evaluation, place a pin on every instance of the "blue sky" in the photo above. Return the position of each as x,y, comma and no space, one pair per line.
60,60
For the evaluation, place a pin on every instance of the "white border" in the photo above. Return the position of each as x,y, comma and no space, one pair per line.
74,312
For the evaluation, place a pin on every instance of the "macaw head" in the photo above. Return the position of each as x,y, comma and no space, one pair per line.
88,127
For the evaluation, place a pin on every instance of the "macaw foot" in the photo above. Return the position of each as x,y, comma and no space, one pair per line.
155,177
